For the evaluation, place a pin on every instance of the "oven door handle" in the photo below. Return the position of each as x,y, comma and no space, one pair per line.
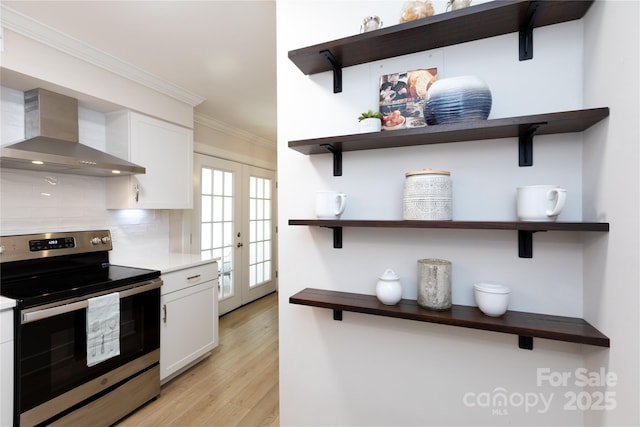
32,316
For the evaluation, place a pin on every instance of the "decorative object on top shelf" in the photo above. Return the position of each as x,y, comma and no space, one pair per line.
434,284
492,298
402,97
388,288
540,203
370,23
458,4
370,121
457,99
416,9
427,195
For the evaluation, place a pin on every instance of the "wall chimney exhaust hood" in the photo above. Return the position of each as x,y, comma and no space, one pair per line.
52,141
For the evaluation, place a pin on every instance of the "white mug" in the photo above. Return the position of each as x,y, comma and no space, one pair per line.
540,202
330,204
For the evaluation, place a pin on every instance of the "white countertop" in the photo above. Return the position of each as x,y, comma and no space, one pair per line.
165,262
6,303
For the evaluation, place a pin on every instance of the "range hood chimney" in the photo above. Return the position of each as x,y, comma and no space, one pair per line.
52,143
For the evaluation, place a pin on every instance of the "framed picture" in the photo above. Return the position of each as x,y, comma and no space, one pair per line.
402,98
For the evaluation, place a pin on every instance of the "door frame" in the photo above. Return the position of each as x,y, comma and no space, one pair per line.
241,257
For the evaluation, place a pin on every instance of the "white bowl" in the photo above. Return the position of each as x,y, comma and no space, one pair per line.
492,299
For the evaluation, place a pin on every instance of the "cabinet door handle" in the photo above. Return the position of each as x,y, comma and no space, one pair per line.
137,190
164,313
193,277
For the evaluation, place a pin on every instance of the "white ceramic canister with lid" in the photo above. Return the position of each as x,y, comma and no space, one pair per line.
427,195
388,288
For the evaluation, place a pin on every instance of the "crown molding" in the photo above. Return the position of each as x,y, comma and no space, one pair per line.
200,148
26,26
219,126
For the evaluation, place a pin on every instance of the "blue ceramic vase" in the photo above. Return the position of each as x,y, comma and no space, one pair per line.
457,99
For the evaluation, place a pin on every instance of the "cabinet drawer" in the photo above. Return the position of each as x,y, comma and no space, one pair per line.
180,279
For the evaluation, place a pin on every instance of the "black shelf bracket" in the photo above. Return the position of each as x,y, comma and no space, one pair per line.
337,70
337,314
525,146
525,243
337,237
337,159
525,343
526,32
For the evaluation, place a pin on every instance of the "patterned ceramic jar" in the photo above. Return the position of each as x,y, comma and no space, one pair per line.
427,195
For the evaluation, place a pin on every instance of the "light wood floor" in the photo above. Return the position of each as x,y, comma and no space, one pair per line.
236,386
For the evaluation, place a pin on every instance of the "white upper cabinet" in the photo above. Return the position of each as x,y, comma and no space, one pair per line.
165,150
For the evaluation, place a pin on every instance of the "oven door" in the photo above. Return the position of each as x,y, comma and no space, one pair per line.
52,375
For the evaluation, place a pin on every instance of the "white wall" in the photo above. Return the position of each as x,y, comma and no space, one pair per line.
368,370
611,178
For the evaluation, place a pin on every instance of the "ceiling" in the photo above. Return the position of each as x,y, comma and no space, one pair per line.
222,51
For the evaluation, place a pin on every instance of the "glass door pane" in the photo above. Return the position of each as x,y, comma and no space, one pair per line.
217,225
260,231
259,204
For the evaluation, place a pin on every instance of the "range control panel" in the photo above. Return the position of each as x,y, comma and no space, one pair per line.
32,246
50,244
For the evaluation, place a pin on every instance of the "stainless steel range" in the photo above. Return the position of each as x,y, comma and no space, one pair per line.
87,333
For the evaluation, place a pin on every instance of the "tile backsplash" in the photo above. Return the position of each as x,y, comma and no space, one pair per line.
38,202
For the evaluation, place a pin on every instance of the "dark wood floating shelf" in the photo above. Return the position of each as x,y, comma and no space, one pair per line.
475,130
470,225
525,229
525,325
523,127
444,29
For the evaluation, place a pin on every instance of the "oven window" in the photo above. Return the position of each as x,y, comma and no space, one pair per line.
53,351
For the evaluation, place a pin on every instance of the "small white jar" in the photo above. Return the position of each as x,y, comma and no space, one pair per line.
388,288
427,195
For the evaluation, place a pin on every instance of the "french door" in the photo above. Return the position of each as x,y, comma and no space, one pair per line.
235,205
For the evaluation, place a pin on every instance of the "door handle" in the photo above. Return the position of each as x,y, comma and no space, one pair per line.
164,313
239,245
31,315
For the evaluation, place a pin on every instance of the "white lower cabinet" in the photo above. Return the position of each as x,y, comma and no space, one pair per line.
189,318
6,367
